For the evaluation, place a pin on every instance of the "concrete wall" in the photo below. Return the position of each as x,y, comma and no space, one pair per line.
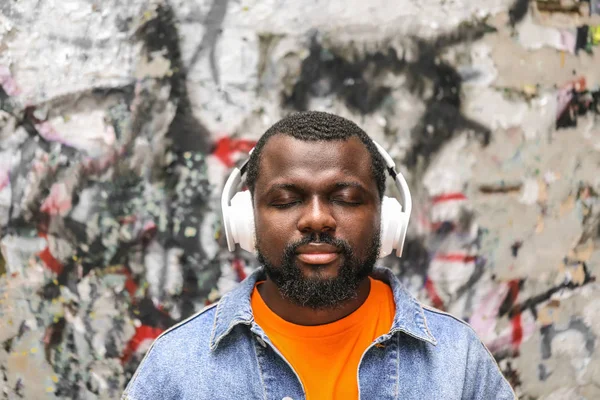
120,120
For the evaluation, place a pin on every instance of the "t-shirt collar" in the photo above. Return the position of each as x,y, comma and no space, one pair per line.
234,308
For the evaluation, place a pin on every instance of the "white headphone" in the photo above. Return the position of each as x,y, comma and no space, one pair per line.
238,213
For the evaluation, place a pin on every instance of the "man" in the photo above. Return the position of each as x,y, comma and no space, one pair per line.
318,321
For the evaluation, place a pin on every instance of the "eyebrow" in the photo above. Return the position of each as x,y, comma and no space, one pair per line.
284,186
351,184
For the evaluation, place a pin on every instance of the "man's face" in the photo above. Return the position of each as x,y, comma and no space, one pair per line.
317,215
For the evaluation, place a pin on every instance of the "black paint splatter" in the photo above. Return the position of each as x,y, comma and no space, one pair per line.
325,72
415,259
160,34
188,135
549,332
518,11
543,374
533,301
515,247
581,103
55,332
149,315
357,80
213,22
509,301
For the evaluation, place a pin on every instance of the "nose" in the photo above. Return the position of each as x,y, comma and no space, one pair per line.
317,217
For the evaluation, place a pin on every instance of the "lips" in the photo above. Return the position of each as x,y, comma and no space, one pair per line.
317,253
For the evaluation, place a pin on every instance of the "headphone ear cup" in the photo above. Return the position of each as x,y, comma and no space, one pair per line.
394,224
241,221
401,233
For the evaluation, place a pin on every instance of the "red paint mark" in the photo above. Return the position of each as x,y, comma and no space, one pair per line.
130,284
517,331
517,328
226,147
514,290
448,197
579,84
455,257
52,263
238,267
433,295
142,333
49,261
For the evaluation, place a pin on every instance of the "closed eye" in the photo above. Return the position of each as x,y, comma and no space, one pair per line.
346,202
285,205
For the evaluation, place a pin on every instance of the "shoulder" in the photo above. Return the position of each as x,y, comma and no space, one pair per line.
184,343
447,328
457,339
453,335
195,329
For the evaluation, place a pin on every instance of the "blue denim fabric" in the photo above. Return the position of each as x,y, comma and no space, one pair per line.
221,353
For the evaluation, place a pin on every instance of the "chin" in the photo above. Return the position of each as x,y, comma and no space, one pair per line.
320,271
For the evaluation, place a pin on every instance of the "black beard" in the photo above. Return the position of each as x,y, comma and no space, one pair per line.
321,293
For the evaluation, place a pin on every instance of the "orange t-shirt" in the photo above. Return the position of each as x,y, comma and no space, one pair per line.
326,356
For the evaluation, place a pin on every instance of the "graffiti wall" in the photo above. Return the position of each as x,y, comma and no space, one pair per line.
119,122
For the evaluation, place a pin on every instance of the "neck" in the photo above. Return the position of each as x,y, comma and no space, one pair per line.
307,316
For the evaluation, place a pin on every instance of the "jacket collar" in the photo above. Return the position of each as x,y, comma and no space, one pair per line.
234,308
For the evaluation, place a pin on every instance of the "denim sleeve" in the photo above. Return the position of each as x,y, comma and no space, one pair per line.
483,378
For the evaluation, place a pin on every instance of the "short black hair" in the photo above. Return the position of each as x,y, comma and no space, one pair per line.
316,126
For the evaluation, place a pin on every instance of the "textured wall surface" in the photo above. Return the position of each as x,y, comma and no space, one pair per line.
119,121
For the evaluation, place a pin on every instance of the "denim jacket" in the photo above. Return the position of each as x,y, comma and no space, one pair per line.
221,353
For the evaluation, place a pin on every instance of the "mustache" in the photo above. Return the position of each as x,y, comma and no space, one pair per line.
314,237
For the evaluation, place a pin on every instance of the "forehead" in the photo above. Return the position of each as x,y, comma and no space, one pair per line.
284,158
